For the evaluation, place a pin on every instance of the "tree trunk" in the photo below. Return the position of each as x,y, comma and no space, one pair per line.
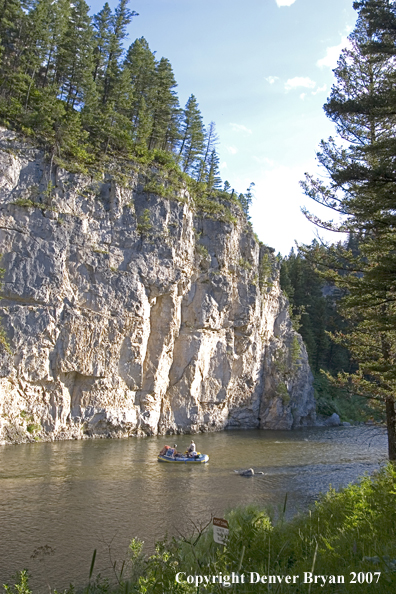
391,426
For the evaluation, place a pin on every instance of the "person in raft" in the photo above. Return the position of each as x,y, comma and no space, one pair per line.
170,452
192,450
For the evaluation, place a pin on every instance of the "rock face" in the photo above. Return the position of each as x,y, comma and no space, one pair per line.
126,313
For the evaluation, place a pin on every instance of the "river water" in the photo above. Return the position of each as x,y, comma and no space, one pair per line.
73,497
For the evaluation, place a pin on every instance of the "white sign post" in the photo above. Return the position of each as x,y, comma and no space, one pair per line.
220,530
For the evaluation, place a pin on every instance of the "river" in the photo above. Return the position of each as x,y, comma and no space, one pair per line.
76,496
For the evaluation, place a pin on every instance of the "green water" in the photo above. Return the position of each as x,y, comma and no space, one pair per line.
79,496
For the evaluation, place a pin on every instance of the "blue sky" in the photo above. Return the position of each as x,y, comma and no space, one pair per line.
261,70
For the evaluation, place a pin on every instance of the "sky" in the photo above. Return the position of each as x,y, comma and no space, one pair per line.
261,70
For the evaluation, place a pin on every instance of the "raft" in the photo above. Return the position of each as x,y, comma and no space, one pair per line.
200,459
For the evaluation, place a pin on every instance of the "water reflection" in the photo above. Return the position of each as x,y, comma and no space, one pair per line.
78,496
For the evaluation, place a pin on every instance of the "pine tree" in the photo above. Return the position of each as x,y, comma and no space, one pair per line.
362,189
141,63
143,126
119,21
12,18
59,14
37,42
313,313
164,109
192,141
13,79
246,199
102,27
75,56
213,179
210,142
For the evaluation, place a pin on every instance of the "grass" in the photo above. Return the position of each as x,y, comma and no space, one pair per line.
349,536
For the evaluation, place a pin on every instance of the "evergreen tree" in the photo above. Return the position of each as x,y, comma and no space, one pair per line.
14,50
75,56
210,142
119,21
143,126
314,309
12,18
59,14
164,109
245,200
37,42
362,189
141,63
213,179
102,27
192,141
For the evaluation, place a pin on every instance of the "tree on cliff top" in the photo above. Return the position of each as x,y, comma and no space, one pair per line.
361,188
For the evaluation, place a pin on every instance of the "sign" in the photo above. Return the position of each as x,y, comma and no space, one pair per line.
220,530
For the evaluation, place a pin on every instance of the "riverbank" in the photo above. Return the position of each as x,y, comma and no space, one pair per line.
347,543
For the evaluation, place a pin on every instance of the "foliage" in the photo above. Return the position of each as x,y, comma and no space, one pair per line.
331,398
266,266
33,427
66,81
22,585
361,170
144,224
246,200
314,310
245,264
201,250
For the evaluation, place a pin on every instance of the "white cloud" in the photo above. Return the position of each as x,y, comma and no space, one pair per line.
264,161
271,79
299,81
332,54
223,165
275,212
285,2
302,96
319,90
240,128
232,150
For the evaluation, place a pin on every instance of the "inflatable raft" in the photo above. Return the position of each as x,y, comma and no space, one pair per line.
181,459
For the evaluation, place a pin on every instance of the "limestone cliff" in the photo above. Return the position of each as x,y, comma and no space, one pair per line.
128,313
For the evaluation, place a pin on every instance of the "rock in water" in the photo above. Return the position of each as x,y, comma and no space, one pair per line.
129,313
333,421
247,472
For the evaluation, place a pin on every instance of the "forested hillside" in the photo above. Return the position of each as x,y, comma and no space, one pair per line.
315,308
67,79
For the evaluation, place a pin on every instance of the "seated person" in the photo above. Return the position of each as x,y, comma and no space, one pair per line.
175,452
164,450
192,450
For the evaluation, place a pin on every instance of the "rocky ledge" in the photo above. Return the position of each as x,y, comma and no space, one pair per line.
127,313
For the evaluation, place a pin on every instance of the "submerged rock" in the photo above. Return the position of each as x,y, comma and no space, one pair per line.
248,472
128,313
